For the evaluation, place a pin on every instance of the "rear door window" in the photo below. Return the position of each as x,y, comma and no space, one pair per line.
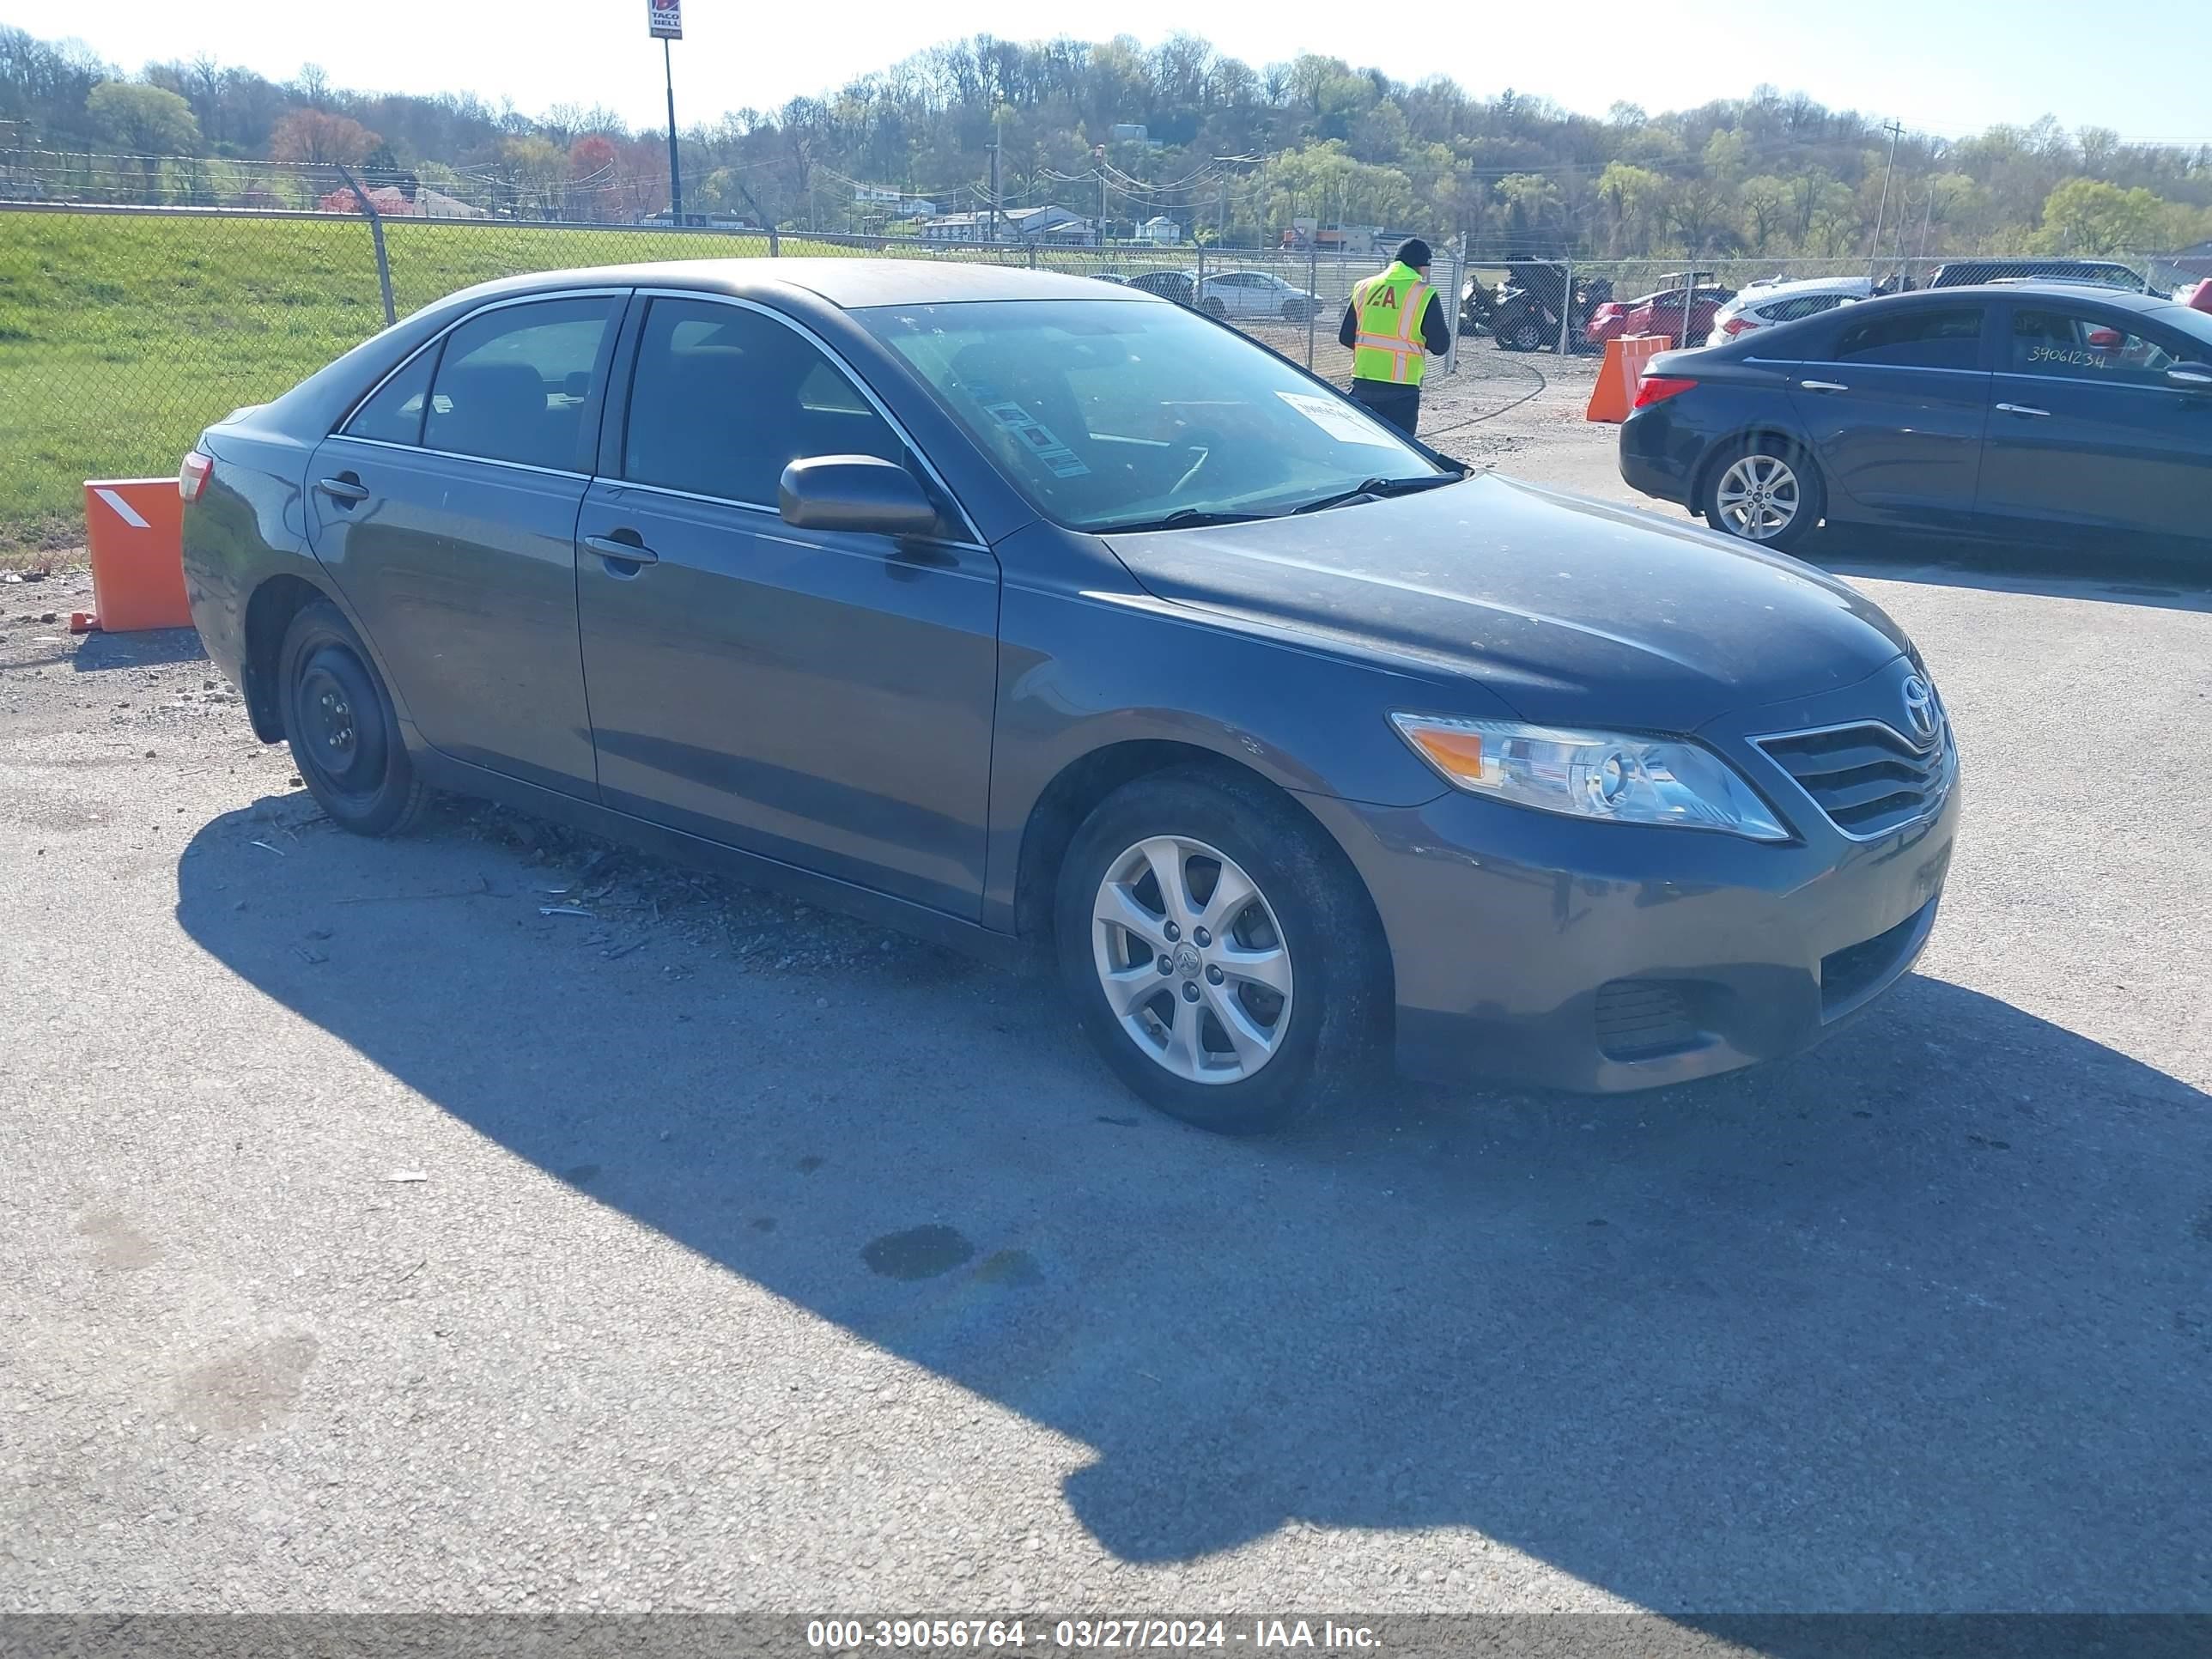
515,381
1920,338
393,412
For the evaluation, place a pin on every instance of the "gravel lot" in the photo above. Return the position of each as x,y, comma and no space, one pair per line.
379,1240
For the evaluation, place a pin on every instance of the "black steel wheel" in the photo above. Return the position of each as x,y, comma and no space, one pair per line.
342,729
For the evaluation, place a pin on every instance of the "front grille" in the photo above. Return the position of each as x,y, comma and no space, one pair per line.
1867,778
1847,974
1638,1018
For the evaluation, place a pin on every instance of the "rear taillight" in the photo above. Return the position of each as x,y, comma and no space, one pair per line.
1607,310
1657,388
192,478
1734,326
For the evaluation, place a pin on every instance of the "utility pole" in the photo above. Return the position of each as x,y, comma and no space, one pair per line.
1233,160
665,22
994,191
1903,212
675,167
1895,130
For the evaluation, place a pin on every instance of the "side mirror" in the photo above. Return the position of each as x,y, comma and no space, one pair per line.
2195,376
855,492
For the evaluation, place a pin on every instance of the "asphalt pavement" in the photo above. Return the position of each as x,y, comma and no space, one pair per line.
377,1240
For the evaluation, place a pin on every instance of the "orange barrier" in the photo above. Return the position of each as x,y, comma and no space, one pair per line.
1615,394
134,529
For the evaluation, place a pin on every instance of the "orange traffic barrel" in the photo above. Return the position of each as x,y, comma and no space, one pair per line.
134,531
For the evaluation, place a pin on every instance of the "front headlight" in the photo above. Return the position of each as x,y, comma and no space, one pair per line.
1592,774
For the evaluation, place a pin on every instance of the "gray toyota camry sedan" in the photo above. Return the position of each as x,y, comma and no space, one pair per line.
1051,619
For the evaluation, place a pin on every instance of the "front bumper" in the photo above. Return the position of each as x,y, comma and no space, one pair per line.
1535,948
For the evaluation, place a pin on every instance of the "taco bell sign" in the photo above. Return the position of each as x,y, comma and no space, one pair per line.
666,18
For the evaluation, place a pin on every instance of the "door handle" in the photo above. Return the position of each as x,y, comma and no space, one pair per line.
350,491
627,552
2020,408
1823,386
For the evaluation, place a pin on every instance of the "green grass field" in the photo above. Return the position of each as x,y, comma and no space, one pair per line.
122,337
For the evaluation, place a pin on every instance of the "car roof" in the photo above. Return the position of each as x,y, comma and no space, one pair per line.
2126,299
1759,292
2053,263
850,284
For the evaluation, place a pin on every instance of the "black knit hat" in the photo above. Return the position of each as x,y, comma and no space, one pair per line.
1413,254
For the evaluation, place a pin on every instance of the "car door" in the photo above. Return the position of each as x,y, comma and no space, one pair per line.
445,509
2089,432
1894,405
823,698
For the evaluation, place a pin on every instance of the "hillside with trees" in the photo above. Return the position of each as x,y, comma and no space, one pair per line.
1235,152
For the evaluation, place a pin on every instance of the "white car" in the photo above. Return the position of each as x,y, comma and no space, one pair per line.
1762,305
1246,293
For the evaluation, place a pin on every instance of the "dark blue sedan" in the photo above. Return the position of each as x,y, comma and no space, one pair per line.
2028,412
1050,620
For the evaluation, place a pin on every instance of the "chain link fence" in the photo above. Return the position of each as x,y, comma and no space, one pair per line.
126,329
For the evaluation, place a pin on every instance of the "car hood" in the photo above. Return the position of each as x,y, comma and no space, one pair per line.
1566,610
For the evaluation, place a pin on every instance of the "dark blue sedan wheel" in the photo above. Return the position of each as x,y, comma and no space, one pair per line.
343,733
1765,490
1220,952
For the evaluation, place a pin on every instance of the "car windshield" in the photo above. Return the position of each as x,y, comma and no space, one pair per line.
1113,414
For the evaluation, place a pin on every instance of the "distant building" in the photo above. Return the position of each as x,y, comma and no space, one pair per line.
897,204
1160,229
1132,132
1037,224
391,202
955,228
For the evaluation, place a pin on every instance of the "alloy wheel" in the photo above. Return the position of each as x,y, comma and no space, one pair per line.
1759,497
1192,960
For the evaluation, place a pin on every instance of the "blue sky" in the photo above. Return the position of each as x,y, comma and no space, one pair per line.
1946,66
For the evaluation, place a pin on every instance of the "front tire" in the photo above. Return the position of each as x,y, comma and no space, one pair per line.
1765,490
1220,953
341,727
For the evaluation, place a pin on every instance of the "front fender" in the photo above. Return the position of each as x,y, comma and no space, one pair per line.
1084,671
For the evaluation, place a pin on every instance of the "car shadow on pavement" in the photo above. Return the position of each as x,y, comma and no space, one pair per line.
1917,1321
2114,577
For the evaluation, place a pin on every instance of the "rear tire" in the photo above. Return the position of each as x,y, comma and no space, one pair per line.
1276,992
1215,309
1765,490
342,728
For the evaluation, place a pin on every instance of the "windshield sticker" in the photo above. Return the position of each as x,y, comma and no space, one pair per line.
1334,418
1038,438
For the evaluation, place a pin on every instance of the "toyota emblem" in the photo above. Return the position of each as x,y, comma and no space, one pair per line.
1920,708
